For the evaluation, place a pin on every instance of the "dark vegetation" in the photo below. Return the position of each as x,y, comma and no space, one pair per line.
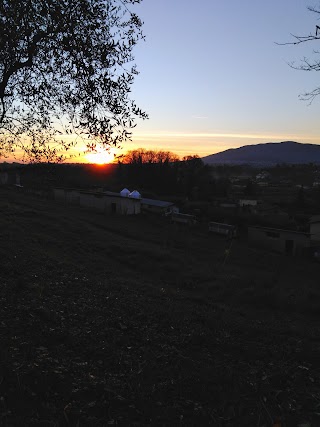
286,194
136,321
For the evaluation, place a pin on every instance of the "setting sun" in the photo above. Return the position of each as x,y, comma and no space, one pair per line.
100,157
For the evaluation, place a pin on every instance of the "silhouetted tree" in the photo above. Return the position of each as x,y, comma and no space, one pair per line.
150,169
66,62
141,155
194,178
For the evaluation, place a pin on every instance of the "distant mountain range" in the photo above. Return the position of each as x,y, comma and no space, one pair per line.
268,154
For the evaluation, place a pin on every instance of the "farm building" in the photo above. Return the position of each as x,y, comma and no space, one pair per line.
4,178
223,229
315,228
70,196
10,177
93,200
288,242
180,218
160,207
110,202
247,202
107,201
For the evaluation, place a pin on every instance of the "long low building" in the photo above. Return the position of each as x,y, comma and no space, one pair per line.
315,228
108,202
288,242
223,229
158,206
181,218
70,196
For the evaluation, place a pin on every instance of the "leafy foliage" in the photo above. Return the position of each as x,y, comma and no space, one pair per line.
66,68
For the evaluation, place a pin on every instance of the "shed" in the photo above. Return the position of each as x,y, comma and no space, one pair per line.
315,228
59,194
70,196
158,206
288,242
248,202
181,218
110,202
248,205
4,178
93,200
10,177
223,229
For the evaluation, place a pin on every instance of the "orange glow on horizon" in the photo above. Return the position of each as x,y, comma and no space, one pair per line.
100,157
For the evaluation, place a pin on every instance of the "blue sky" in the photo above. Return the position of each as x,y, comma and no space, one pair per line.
212,76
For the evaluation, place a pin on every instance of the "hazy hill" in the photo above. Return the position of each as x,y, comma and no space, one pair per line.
268,154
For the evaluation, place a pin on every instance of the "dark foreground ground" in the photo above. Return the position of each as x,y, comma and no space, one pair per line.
136,322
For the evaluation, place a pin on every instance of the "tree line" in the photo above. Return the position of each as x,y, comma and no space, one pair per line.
164,172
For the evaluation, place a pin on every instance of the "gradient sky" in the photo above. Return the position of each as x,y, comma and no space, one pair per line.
212,76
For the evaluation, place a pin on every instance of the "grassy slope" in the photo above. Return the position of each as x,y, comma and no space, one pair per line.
134,321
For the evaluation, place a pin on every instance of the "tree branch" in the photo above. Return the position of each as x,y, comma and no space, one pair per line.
299,40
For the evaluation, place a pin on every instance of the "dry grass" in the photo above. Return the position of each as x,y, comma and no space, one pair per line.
150,323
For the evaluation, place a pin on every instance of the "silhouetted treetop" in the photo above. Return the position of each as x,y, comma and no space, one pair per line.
67,62
141,155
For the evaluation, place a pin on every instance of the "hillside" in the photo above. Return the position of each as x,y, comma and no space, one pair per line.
268,154
137,321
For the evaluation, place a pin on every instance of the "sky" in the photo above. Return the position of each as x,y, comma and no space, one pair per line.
213,77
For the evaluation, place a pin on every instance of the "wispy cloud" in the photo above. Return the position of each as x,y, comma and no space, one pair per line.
204,135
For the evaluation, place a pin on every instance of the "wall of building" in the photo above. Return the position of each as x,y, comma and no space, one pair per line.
129,206
111,204
315,231
183,218
281,241
221,228
3,178
94,201
59,194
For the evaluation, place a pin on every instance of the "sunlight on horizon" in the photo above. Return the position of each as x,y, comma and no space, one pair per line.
100,156
180,143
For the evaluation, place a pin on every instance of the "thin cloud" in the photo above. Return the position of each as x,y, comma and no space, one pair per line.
225,135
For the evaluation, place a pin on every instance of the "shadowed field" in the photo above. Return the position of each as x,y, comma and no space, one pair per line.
110,320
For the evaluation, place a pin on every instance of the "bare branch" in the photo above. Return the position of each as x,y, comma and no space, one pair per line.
299,40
